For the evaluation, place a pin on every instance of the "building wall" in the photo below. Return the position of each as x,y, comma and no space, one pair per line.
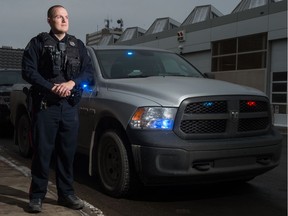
201,60
250,78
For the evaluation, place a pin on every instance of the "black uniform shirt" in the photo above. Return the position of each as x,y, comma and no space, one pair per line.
31,60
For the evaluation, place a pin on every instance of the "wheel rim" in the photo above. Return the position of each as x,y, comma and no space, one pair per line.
111,164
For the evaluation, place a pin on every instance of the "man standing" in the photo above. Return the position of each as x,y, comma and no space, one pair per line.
55,64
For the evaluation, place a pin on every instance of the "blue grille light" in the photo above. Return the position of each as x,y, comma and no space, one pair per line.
163,124
208,104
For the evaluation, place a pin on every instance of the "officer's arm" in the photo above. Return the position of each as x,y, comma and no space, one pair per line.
30,62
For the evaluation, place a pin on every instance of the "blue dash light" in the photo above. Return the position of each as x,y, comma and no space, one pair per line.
208,104
130,53
86,87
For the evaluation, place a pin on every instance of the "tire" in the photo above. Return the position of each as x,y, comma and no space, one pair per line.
24,136
113,165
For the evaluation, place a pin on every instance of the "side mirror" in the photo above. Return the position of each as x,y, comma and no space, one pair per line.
209,75
26,91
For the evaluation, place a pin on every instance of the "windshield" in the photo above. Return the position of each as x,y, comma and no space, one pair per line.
10,77
116,64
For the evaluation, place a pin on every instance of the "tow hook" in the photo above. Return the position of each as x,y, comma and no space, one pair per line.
264,160
202,166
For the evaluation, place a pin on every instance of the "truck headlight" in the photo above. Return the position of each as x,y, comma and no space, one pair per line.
153,118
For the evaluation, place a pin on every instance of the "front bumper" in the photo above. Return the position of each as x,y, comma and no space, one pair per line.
159,161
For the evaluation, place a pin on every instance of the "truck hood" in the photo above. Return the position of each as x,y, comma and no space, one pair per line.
171,91
6,88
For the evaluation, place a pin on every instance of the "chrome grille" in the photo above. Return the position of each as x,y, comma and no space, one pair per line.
4,93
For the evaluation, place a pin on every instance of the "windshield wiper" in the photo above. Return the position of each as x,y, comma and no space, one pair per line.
138,76
172,74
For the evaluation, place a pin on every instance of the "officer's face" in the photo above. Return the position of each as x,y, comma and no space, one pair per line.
59,21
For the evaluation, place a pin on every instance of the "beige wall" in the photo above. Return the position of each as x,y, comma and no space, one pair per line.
251,78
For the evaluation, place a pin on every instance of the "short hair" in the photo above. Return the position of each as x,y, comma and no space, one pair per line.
51,10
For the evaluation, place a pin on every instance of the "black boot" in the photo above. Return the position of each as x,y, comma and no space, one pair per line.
71,201
35,205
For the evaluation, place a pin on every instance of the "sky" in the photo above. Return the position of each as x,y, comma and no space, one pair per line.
20,20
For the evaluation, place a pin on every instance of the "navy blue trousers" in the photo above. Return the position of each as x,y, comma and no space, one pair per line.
54,129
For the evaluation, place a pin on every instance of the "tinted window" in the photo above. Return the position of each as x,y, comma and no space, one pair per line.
10,77
143,63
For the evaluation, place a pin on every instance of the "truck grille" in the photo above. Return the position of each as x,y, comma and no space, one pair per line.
230,116
4,93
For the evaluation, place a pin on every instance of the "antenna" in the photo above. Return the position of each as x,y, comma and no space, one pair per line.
120,22
107,25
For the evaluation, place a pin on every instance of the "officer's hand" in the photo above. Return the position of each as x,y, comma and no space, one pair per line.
60,90
63,89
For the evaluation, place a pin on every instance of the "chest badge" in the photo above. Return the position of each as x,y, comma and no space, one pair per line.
72,43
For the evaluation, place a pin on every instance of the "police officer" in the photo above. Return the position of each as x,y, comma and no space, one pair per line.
55,64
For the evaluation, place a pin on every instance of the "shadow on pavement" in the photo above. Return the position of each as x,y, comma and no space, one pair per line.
15,197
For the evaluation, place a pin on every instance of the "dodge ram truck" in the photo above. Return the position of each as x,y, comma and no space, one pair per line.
151,117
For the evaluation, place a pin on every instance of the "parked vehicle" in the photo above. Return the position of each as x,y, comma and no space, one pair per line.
153,117
8,77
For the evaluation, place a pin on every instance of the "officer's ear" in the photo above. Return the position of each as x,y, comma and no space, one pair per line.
48,20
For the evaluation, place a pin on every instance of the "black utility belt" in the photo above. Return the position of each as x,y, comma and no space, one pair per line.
44,104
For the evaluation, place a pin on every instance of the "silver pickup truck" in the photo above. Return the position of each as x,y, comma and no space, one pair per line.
151,117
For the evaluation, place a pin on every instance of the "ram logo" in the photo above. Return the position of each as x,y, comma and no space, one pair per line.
234,115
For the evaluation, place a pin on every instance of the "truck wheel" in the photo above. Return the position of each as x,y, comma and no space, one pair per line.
113,164
23,136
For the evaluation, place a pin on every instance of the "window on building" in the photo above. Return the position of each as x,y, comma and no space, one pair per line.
128,34
252,43
257,3
241,53
279,92
224,47
225,63
160,26
251,61
201,14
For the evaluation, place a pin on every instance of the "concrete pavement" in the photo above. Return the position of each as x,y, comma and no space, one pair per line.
14,188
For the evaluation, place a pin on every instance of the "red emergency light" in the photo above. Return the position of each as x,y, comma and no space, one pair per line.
251,103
